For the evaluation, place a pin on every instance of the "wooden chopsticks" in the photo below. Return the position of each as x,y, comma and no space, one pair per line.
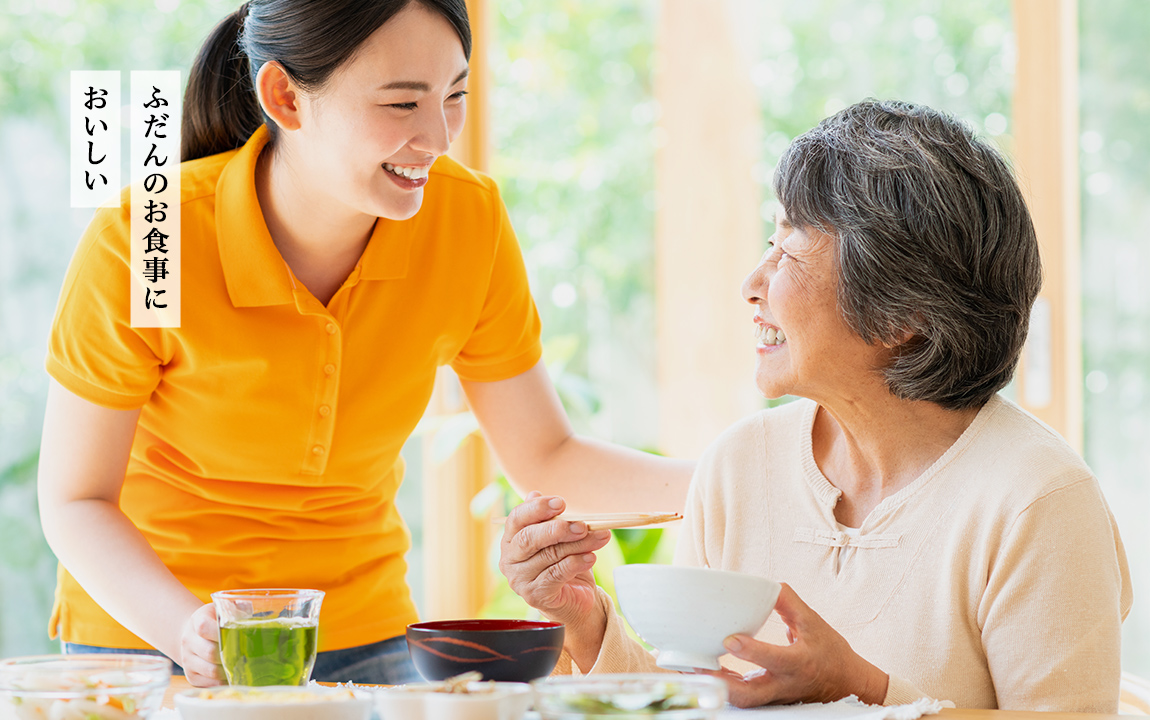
615,521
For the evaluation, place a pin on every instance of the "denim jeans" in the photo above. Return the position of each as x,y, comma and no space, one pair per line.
381,663
74,648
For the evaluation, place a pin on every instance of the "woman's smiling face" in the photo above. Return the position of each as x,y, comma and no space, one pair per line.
369,136
805,346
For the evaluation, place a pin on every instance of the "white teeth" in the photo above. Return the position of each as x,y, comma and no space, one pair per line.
412,173
769,335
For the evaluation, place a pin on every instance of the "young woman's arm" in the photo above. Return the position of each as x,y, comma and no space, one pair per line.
528,429
83,458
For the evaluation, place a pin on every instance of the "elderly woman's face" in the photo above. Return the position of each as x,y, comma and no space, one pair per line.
805,347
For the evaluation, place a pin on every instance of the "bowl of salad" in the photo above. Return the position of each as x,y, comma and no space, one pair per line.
667,696
83,687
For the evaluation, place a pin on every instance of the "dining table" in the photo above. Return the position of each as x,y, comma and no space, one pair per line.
180,684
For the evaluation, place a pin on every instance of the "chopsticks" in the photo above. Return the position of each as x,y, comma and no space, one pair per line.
615,521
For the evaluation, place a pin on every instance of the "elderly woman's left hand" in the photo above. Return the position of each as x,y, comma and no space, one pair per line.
818,666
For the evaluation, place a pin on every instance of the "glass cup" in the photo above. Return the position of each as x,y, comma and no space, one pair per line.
268,637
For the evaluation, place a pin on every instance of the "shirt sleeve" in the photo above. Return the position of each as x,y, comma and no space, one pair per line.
691,548
903,692
505,340
1052,611
619,653
92,349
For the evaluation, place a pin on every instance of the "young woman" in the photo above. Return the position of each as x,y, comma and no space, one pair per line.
332,259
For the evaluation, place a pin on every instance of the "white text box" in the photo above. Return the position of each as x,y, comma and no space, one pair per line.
94,102
155,147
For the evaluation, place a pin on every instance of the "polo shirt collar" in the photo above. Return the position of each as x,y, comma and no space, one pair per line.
254,270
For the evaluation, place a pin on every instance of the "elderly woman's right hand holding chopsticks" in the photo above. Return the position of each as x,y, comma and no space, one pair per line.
548,561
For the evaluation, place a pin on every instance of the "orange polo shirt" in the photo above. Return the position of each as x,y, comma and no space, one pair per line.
267,452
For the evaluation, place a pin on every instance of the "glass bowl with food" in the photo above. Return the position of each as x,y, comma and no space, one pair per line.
668,696
84,686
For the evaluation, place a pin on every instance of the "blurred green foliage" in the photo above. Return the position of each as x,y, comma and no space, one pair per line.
811,59
27,568
1114,91
573,148
575,133
44,40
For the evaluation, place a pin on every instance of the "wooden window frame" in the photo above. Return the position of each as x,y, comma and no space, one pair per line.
1045,119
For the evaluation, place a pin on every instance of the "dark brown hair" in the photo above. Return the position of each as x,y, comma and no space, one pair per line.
310,38
934,240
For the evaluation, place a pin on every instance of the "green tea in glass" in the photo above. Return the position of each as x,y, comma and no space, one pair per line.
268,637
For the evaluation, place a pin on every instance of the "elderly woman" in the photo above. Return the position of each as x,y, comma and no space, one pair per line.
943,541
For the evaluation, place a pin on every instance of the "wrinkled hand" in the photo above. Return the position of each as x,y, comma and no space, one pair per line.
818,666
548,561
200,648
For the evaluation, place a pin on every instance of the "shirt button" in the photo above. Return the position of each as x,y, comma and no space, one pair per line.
329,369
317,450
331,328
324,410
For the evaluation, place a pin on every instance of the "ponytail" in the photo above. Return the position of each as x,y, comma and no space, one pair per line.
309,38
220,107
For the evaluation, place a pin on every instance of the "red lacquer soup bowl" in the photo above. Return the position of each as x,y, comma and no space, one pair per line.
505,650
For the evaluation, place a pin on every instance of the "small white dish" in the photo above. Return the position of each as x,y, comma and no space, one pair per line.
687,612
485,701
282,702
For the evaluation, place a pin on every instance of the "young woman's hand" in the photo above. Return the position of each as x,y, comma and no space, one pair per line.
200,648
548,563
818,666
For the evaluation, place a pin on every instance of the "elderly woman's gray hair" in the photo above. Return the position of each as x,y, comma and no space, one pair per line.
936,252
